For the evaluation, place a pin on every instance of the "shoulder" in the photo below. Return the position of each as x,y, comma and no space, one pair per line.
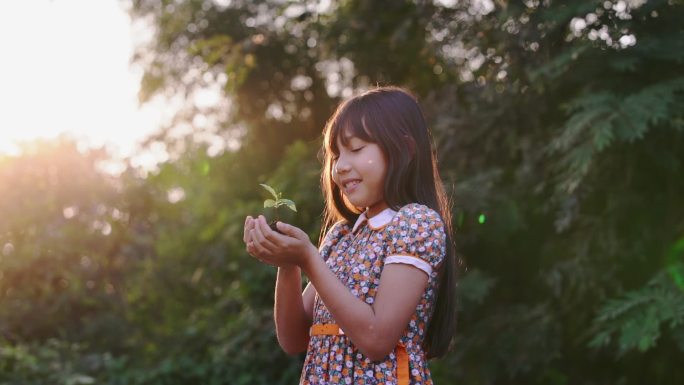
333,236
416,214
338,229
341,225
417,231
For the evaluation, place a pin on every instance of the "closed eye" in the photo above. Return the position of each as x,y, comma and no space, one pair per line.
358,149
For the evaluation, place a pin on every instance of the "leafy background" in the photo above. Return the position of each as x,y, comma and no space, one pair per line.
560,132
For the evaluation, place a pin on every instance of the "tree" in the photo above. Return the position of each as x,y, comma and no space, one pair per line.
552,129
559,132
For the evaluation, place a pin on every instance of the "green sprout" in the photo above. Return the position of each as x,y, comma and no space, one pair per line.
276,202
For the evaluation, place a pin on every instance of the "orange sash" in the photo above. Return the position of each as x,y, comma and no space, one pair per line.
402,355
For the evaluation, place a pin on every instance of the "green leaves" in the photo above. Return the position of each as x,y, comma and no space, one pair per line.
599,119
277,201
290,204
475,286
270,190
171,275
639,315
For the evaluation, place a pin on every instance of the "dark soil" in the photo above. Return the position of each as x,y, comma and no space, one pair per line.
273,227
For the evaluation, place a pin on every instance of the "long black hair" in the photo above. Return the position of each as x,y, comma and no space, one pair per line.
392,118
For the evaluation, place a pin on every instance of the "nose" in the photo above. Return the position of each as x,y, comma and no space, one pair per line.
342,166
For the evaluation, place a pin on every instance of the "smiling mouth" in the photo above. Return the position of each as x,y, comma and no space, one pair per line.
351,184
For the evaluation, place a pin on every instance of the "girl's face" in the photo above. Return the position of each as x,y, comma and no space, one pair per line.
359,171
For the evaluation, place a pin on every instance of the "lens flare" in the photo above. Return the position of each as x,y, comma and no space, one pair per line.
481,219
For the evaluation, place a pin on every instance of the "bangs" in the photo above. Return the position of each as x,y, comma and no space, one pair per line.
349,122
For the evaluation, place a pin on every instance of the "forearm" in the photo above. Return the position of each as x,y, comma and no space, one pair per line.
374,329
354,316
291,320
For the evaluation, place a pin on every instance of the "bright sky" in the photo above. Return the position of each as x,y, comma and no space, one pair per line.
65,68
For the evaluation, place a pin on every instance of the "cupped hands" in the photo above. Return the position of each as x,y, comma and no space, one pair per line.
291,248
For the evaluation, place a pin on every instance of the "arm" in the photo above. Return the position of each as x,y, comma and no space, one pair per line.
374,329
293,310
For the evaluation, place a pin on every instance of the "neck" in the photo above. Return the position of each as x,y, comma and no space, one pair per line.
375,209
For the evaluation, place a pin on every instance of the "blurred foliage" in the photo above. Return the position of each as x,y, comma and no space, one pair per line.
637,317
559,128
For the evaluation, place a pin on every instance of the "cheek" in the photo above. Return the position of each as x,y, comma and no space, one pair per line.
381,165
334,175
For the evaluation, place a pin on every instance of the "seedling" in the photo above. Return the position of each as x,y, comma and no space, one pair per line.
275,203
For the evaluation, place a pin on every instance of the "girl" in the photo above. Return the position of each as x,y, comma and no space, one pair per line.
380,301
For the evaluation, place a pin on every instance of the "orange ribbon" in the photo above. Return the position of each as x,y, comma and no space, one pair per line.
401,353
402,364
325,330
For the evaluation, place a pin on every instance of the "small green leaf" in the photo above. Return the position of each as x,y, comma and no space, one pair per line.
289,204
269,203
269,189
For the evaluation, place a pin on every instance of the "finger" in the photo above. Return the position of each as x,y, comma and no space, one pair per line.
263,225
252,250
261,252
259,238
291,231
249,224
269,234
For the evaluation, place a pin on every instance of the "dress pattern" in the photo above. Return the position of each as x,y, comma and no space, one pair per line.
414,235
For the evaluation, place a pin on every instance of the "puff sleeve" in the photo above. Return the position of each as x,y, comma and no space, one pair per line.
416,237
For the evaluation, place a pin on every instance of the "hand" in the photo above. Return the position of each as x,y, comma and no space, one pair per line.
248,238
292,247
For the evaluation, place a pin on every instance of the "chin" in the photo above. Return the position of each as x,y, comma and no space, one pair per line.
360,206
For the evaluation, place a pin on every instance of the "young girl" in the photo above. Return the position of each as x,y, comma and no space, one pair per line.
380,301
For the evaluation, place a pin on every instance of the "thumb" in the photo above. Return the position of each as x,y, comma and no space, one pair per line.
289,230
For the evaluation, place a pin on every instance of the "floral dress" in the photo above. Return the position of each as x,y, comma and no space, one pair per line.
414,235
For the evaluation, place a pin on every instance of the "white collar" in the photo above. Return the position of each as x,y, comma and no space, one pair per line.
376,222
